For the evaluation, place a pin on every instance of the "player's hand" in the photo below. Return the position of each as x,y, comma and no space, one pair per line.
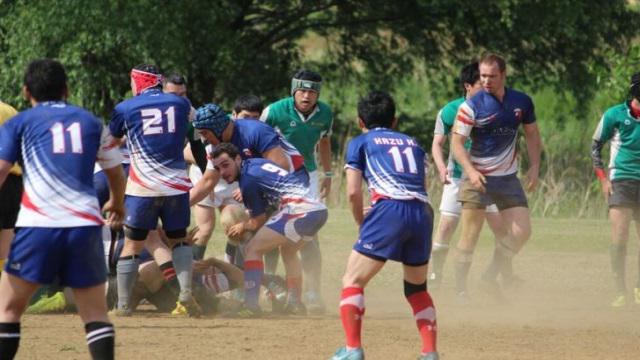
325,187
477,180
191,235
237,195
115,213
235,231
532,179
607,189
443,174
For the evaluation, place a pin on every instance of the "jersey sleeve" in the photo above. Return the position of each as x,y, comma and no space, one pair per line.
10,140
605,129
355,159
328,128
465,119
116,125
530,115
264,117
251,196
441,128
109,155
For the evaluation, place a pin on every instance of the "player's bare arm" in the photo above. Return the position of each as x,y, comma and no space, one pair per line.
115,205
438,157
188,155
534,147
278,156
476,179
324,150
253,224
204,187
354,194
5,166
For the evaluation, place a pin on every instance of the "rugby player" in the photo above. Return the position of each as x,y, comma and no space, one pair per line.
59,221
620,124
10,195
451,175
264,185
491,118
397,227
155,124
306,123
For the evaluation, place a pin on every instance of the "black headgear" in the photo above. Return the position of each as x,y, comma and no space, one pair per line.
634,88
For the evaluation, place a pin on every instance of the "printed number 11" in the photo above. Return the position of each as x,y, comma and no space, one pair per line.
397,159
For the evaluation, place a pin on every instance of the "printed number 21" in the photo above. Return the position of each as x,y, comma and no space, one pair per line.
59,143
397,159
152,121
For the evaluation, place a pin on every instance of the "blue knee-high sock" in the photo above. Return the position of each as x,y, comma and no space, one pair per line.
253,271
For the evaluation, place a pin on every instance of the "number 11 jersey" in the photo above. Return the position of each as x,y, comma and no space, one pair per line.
392,163
155,124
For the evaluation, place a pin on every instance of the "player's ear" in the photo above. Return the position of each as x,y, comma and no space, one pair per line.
361,123
394,123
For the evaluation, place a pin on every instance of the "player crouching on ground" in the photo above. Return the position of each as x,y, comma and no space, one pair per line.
265,184
398,226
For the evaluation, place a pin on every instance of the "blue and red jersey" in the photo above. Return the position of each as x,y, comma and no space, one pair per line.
155,124
57,145
493,128
392,163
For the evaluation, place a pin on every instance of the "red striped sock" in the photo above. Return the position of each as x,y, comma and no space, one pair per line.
351,313
425,314
168,271
294,288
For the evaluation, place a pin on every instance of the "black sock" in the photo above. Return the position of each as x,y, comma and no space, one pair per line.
100,339
198,251
9,340
618,255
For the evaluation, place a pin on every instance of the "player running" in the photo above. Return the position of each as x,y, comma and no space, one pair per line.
398,227
155,124
59,222
621,125
491,118
451,175
264,185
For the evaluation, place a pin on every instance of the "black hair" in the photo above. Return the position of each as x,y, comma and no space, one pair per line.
148,68
175,78
634,88
377,109
470,74
226,148
304,74
46,80
248,103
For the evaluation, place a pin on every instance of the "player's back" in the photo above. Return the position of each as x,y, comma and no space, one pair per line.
155,124
59,144
392,163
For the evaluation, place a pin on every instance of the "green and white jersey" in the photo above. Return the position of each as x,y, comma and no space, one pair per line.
619,126
303,133
444,122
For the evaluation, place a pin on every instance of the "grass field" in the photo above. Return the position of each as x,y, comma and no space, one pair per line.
560,311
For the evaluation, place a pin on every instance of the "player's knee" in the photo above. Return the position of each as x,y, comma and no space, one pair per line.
14,308
522,234
176,234
410,289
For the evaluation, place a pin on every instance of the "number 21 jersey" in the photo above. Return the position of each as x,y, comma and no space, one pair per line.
155,124
392,163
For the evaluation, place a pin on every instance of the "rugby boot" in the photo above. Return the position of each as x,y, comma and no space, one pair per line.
179,310
122,311
295,308
344,354
49,304
430,356
191,307
619,301
243,312
315,305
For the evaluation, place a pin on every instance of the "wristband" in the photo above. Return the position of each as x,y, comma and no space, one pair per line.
601,174
328,173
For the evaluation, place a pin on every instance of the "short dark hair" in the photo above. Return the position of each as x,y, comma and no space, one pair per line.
470,74
226,148
248,103
46,80
150,68
377,109
634,86
493,58
175,78
304,74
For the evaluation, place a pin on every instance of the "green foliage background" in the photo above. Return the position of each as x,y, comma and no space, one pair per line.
574,57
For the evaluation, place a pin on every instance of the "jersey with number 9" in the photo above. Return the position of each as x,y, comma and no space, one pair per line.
57,145
155,124
392,163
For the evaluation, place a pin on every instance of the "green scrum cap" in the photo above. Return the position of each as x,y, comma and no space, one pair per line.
299,84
